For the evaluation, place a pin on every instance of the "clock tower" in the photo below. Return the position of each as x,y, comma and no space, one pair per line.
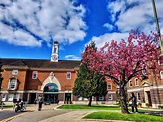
54,56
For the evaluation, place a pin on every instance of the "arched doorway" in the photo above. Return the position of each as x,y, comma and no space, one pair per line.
51,93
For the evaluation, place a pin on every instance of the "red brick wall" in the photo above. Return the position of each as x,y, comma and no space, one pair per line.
21,76
35,84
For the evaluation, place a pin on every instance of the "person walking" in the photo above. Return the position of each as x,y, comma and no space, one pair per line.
134,102
40,102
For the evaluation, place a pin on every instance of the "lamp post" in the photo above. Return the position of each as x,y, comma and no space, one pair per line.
157,26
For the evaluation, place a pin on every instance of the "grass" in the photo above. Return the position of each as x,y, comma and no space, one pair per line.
142,116
125,117
96,107
6,106
93,107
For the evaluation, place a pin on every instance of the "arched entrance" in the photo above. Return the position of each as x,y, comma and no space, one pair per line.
51,93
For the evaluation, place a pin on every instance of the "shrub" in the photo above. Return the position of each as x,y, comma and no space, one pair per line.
160,106
147,104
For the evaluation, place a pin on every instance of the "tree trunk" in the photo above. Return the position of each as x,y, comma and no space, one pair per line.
123,99
90,101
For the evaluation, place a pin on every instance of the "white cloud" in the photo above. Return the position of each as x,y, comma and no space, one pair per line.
132,14
72,57
60,20
109,26
101,40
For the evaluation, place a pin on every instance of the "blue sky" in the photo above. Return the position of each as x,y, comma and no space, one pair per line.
28,28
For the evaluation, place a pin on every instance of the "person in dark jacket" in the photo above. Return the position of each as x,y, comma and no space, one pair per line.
40,102
134,102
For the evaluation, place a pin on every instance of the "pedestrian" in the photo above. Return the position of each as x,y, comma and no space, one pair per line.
57,101
40,102
21,104
134,102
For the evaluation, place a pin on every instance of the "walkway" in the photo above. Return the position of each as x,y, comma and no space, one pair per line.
68,116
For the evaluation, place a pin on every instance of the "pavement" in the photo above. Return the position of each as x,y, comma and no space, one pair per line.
71,116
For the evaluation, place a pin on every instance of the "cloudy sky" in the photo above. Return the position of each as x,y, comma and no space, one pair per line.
28,28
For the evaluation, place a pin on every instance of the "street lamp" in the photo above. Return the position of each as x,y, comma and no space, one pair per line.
157,26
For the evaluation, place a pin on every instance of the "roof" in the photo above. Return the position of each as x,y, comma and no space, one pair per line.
39,63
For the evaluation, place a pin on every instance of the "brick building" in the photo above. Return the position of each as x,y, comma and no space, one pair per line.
54,79
148,90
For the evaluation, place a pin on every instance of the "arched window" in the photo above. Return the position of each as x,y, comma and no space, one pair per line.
136,82
51,87
12,84
130,83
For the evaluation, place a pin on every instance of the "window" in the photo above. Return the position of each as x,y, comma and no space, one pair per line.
138,96
130,83
161,74
34,75
3,97
14,72
110,97
10,97
136,82
101,98
17,96
68,75
109,86
13,84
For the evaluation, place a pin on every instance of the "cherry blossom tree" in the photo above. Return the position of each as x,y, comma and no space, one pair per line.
124,60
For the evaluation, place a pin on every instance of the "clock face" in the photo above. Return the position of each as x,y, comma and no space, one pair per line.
54,57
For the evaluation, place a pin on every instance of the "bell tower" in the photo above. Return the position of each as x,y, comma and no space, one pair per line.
54,56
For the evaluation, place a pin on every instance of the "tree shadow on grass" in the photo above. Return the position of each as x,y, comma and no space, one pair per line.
154,113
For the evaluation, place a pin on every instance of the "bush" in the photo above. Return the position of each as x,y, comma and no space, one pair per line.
160,106
147,104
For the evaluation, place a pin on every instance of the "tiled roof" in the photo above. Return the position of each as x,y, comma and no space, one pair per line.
40,63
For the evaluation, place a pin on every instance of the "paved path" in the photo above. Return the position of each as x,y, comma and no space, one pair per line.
49,113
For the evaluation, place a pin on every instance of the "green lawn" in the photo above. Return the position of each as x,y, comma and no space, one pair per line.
6,106
126,117
142,116
93,107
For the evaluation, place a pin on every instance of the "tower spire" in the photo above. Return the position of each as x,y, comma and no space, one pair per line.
54,56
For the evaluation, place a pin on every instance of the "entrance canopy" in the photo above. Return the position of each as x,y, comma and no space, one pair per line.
51,87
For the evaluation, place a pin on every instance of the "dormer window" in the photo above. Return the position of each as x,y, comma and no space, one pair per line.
68,75
34,75
13,84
